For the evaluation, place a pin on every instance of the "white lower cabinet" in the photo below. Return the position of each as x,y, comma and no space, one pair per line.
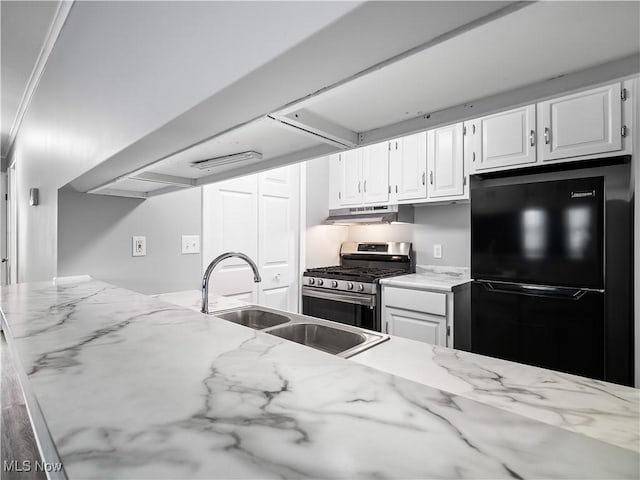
416,314
416,326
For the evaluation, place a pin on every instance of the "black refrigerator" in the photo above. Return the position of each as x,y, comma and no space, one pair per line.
538,255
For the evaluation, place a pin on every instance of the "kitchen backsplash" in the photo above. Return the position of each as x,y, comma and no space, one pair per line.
445,225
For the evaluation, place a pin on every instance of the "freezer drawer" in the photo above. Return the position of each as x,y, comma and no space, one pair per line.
562,331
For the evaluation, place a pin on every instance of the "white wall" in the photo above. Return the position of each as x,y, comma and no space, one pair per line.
120,70
322,242
447,225
94,237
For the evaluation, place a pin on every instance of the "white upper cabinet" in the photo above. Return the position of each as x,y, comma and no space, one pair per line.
352,177
445,163
408,165
375,173
585,123
336,181
360,176
505,139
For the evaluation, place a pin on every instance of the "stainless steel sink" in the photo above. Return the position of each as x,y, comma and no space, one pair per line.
331,337
254,317
321,337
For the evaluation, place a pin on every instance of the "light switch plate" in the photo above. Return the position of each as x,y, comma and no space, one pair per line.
190,244
437,250
138,246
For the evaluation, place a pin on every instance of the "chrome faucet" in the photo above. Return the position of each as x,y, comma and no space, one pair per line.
212,265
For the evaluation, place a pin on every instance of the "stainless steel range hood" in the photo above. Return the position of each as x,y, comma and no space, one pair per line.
370,215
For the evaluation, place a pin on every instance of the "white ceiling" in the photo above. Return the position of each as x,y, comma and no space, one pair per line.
527,46
154,86
369,34
262,136
530,45
23,32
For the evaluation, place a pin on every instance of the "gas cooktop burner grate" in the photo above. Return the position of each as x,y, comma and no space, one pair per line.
355,272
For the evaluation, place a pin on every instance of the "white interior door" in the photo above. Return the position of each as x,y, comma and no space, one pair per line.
278,237
230,219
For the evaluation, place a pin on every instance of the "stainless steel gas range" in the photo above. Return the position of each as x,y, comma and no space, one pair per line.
349,293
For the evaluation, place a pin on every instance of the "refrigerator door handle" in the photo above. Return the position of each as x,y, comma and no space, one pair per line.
566,293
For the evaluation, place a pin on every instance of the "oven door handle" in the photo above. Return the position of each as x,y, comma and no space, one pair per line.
367,300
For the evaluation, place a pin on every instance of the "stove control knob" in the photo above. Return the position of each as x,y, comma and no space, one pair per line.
311,281
334,284
360,287
319,282
349,286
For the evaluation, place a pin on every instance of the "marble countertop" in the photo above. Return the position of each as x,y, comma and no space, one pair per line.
602,410
430,277
134,387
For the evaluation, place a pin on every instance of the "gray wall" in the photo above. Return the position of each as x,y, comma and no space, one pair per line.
94,238
448,225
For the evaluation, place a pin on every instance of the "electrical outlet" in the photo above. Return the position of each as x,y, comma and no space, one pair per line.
190,244
138,246
437,251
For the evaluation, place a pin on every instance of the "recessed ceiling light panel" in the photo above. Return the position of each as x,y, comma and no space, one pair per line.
227,160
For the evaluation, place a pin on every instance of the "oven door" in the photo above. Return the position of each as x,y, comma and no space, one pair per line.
358,310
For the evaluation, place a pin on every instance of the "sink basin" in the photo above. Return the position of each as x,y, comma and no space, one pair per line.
335,338
321,337
255,318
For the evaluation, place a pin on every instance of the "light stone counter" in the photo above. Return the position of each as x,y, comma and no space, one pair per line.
430,277
134,387
601,410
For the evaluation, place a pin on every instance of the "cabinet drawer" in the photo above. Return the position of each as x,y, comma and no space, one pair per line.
427,302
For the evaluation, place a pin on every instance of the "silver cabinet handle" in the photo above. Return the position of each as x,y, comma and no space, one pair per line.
359,185
473,157
473,128
532,138
546,136
431,177
386,327
365,186
423,177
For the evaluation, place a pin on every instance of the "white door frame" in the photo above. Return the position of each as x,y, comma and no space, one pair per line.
11,227
3,227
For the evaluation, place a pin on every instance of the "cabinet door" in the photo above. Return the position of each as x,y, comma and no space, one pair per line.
352,177
505,139
419,326
336,181
375,169
445,162
408,161
585,123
